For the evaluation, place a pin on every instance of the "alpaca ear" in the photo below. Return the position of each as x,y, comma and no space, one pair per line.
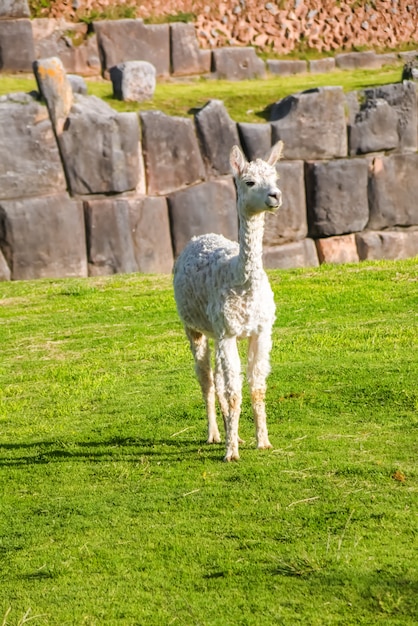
237,160
275,153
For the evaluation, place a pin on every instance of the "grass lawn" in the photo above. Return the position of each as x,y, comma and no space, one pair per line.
113,510
246,101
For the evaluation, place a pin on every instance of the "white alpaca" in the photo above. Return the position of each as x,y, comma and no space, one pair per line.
222,292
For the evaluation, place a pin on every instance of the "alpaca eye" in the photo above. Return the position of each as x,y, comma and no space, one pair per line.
250,183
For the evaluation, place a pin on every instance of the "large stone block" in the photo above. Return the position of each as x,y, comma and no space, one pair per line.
56,89
255,139
358,60
133,81
341,249
286,68
14,8
71,42
383,118
291,255
311,124
289,222
205,208
217,133
30,163
100,148
321,66
387,244
393,191
151,235
336,194
43,237
237,64
132,40
109,238
171,152
17,51
186,57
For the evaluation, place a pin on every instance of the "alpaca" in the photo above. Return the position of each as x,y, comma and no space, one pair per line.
222,292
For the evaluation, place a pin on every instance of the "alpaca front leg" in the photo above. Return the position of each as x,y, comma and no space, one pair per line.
258,370
228,369
199,345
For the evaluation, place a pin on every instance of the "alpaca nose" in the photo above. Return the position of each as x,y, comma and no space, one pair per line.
276,196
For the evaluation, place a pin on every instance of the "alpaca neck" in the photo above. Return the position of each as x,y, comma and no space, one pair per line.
250,257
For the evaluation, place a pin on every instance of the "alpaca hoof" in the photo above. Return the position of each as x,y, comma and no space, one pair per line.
233,456
241,440
264,445
215,438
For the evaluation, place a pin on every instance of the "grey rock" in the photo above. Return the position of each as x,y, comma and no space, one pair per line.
217,134
151,235
290,255
289,223
5,273
286,68
387,245
56,89
100,148
78,84
311,124
71,42
43,237
321,66
17,51
14,8
133,81
237,64
30,163
110,246
393,191
209,207
186,57
132,40
356,60
375,127
171,152
336,195
255,139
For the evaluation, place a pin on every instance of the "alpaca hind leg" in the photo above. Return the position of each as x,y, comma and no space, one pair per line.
199,345
220,392
228,374
258,370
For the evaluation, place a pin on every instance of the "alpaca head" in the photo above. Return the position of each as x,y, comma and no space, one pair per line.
256,181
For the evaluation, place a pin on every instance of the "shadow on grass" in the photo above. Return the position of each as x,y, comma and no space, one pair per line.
124,449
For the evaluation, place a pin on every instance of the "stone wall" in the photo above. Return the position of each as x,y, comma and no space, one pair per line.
85,190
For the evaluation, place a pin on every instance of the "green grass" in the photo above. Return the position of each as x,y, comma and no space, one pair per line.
246,101
114,510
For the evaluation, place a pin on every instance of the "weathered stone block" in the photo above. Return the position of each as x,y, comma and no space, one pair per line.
78,84
255,139
290,255
14,8
71,42
336,193
109,238
337,249
171,152
5,273
100,147
17,51
151,235
321,66
30,163
217,133
133,81
286,68
357,60
206,208
132,40
186,57
237,64
43,237
55,87
387,245
311,124
393,191
383,118
289,222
